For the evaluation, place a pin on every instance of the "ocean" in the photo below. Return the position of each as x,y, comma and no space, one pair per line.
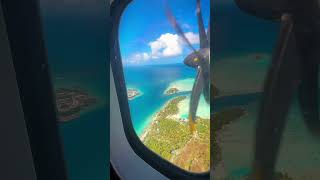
85,145
152,81
76,42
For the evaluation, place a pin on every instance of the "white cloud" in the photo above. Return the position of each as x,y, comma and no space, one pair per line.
167,45
139,58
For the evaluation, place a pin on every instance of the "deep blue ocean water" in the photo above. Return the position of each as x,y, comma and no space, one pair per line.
77,46
85,145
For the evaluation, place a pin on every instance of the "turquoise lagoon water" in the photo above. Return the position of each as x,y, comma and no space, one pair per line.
152,81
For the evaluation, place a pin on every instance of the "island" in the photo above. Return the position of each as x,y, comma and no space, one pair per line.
170,137
71,102
171,91
184,85
133,93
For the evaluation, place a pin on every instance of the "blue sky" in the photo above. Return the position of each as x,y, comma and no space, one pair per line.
147,37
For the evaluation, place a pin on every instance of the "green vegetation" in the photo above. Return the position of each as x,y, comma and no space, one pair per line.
172,140
171,108
203,129
167,135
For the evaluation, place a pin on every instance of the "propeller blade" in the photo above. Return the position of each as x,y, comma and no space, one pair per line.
177,28
267,9
205,68
308,95
202,33
281,83
195,97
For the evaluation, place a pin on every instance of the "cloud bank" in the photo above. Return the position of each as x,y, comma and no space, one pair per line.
167,45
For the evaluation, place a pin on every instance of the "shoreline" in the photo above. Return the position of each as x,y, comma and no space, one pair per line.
152,119
170,137
82,112
71,103
149,122
181,85
136,93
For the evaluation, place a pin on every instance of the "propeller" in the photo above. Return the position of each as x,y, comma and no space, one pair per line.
199,60
294,69
204,42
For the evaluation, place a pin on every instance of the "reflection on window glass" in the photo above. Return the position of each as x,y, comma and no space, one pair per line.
159,81
75,37
244,49
243,52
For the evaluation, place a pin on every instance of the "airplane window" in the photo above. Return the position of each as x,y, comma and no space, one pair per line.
244,45
75,37
165,55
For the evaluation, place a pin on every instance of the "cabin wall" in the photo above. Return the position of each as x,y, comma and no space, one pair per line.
15,153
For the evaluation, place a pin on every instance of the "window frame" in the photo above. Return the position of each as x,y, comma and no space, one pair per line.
154,160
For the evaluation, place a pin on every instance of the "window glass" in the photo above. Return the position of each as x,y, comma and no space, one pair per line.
243,46
159,84
75,37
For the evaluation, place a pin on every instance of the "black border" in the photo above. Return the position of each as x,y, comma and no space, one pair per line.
24,29
157,162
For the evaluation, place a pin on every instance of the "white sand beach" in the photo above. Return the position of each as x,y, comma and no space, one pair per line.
203,108
183,85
